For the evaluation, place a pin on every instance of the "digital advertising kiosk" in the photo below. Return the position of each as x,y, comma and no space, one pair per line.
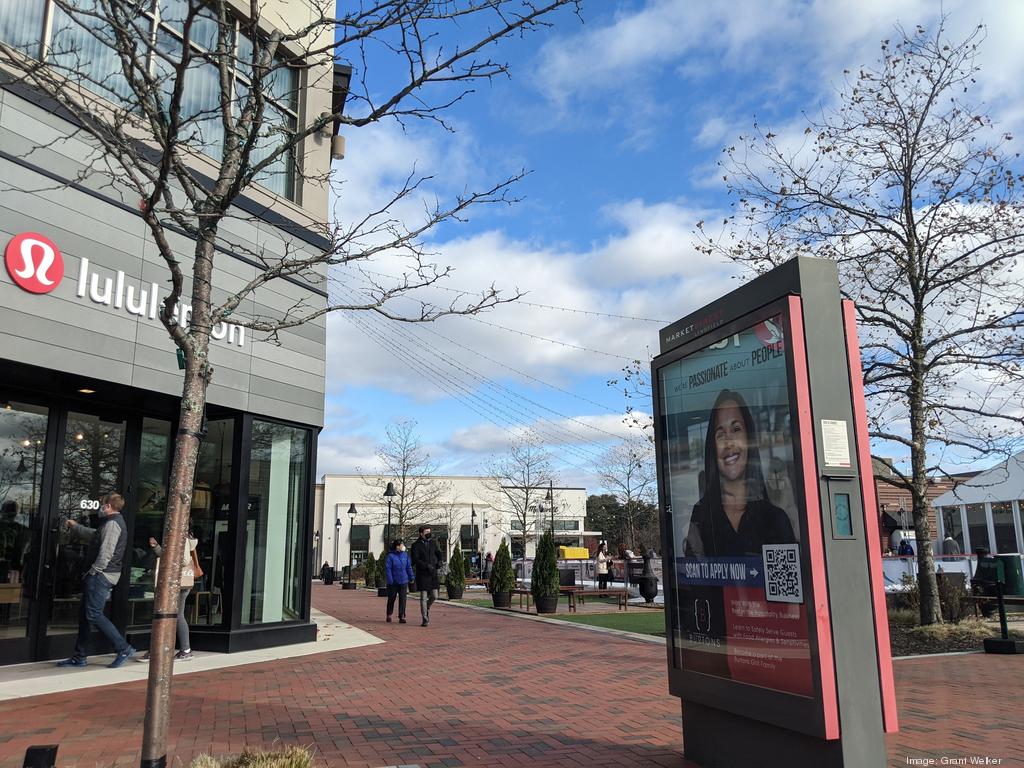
778,640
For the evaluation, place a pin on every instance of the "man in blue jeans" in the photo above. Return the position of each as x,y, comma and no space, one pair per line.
107,546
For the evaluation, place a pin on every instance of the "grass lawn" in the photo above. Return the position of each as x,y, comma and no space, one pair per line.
645,622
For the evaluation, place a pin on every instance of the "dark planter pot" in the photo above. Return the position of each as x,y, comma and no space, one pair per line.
382,591
501,599
455,593
546,603
347,585
648,586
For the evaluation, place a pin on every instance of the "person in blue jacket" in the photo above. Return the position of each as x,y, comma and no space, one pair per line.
398,572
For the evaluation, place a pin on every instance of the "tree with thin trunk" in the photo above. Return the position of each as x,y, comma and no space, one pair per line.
406,463
519,482
627,472
184,156
908,186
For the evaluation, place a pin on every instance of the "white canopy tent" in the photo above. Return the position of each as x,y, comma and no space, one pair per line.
985,511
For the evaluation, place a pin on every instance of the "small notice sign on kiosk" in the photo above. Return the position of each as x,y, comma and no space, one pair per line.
774,602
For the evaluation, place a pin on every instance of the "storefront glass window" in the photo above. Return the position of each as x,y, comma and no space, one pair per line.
154,467
21,24
210,518
952,526
274,567
22,445
977,526
1002,521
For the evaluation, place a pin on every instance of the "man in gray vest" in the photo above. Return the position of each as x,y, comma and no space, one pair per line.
107,545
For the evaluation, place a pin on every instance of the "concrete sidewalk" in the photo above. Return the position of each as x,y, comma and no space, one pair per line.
480,688
20,681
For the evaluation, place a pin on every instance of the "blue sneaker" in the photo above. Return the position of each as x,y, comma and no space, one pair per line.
74,661
122,657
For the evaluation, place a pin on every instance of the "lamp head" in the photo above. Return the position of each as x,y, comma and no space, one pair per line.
352,511
388,492
337,523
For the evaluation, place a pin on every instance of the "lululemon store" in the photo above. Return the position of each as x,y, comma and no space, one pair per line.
90,390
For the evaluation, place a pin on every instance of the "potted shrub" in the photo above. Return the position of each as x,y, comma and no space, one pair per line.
503,579
370,564
544,582
455,581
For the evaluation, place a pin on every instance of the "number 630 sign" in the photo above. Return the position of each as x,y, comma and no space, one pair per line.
88,504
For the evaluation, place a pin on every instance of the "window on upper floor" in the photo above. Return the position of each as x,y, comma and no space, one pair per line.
82,48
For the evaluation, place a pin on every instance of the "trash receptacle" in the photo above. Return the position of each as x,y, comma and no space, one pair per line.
1013,574
328,576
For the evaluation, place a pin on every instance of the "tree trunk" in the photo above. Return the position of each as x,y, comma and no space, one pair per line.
931,611
165,603
196,343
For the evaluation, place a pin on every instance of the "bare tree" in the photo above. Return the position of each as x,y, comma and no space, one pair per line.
408,465
519,481
627,472
448,513
124,86
907,186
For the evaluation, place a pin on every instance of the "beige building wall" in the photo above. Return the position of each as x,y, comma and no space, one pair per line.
494,523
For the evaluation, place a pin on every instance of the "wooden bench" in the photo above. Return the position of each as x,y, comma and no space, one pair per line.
570,592
477,582
621,595
977,600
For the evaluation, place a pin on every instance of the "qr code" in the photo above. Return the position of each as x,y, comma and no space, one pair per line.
782,582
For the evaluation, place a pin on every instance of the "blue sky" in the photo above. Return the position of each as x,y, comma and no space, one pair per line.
620,120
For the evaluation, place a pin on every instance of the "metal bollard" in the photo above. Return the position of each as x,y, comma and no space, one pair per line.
41,757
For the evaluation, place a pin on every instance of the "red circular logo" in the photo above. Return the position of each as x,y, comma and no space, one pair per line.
770,331
34,263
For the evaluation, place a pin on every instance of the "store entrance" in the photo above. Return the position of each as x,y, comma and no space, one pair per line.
55,465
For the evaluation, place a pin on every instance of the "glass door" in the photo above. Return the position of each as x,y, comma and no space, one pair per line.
91,454
23,429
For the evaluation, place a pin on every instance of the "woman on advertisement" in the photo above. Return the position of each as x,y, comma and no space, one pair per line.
735,516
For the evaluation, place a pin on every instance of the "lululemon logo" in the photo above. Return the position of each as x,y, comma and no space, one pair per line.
34,263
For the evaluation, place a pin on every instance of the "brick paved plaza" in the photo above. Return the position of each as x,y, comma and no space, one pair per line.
479,688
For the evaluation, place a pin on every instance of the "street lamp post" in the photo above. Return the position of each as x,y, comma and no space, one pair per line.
550,497
316,549
389,493
351,522
472,533
337,537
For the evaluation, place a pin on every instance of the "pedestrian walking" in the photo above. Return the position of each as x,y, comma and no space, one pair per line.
426,561
488,565
601,560
107,544
189,566
398,573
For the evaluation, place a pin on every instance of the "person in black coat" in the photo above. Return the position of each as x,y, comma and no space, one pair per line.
426,561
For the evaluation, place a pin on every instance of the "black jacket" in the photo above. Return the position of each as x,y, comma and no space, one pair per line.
426,560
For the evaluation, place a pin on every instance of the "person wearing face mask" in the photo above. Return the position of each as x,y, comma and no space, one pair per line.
426,560
398,573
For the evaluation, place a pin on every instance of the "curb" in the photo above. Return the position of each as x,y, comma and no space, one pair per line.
635,636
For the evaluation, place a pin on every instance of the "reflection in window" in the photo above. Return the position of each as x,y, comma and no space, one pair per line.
977,526
1002,521
210,521
83,49
22,446
274,570
154,467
